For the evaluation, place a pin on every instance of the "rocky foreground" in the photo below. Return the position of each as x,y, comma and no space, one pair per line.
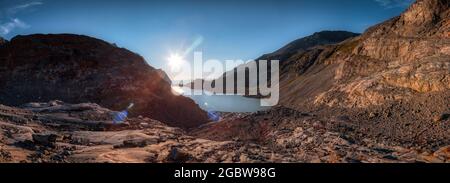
74,133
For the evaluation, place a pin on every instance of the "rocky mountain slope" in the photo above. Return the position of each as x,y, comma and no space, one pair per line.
393,78
390,84
402,57
304,44
58,132
296,47
77,69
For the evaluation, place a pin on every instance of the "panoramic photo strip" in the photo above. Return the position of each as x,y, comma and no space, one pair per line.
225,90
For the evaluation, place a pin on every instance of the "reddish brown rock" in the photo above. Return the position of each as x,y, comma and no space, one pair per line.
398,70
76,69
2,41
395,60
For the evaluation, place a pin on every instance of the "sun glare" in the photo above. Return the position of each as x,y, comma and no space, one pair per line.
175,61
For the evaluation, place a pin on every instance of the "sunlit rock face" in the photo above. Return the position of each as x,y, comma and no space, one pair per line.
399,59
74,68
409,52
393,78
422,31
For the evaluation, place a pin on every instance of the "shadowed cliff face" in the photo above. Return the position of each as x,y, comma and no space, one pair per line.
75,68
2,41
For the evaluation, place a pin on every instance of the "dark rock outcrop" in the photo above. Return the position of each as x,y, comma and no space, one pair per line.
76,69
2,41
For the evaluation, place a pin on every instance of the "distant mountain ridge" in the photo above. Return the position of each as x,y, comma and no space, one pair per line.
293,48
308,42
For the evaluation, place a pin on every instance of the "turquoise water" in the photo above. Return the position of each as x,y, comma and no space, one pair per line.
224,103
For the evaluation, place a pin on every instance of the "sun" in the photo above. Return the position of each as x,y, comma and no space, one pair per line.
175,61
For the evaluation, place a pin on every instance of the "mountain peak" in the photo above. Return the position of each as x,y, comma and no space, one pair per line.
425,12
424,18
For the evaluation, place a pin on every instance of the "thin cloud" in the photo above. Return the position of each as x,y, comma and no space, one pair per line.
7,27
21,7
11,22
394,3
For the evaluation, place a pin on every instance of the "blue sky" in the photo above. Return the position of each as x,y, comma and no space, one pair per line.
232,29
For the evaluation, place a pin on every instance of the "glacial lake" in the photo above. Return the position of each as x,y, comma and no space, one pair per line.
223,103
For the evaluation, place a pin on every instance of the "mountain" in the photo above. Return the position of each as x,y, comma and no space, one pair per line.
393,80
402,57
296,47
306,43
79,69
391,84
